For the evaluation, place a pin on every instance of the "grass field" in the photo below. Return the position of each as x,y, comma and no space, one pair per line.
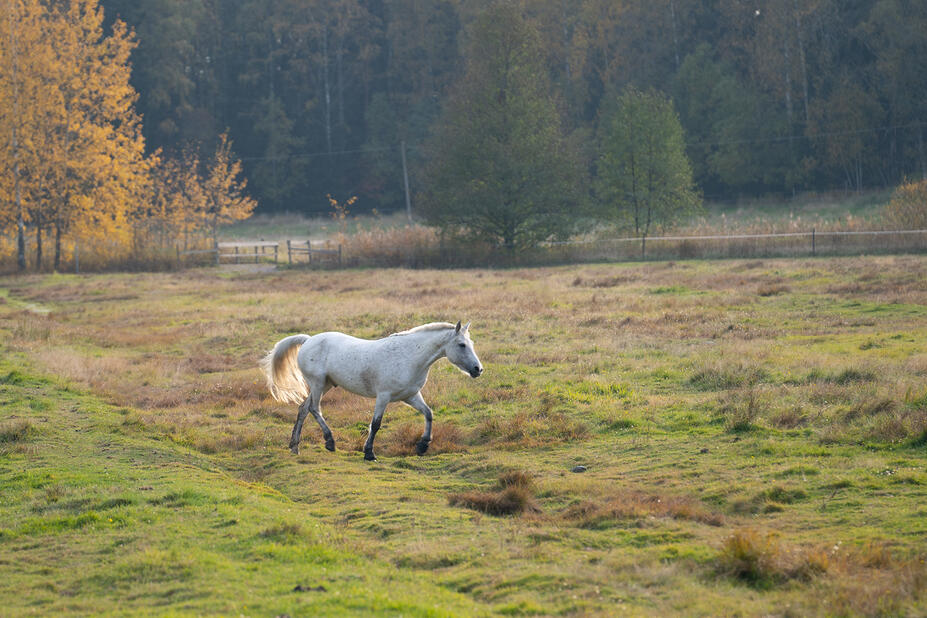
754,433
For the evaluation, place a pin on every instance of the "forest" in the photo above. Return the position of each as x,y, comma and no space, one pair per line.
775,97
143,126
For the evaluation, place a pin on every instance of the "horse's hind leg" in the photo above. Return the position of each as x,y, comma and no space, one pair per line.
317,413
311,405
417,402
298,427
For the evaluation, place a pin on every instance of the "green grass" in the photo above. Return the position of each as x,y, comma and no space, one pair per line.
745,452
101,520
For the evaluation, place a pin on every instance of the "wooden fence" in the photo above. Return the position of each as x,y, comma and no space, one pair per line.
326,253
236,252
789,244
264,251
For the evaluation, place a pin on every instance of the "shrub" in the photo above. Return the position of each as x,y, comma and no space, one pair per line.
907,209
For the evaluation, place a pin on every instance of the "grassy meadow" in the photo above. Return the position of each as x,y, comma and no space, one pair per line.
754,434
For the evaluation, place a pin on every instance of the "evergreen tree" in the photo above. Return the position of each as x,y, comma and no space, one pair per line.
499,167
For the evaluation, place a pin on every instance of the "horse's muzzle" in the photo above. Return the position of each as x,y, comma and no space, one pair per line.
476,371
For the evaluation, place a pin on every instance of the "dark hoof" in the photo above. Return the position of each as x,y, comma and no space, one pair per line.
368,455
330,445
421,447
295,448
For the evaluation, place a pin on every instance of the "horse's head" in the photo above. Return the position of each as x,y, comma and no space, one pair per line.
459,350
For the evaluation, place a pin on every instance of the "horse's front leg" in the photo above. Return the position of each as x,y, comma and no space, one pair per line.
417,402
378,411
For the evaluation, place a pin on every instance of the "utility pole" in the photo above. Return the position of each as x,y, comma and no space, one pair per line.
405,178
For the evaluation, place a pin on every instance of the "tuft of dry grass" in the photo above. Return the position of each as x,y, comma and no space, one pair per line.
15,431
772,289
741,408
868,580
513,494
634,505
871,580
789,419
722,375
761,560
285,532
543,425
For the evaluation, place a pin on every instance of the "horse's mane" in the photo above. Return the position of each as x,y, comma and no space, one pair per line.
426,327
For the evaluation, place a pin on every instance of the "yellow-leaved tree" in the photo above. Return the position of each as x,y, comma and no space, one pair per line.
72,156
102,174
176,203
224,198
25,59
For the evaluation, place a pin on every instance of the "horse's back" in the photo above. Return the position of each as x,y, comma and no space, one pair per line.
341,359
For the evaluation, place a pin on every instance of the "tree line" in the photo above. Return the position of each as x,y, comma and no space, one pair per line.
522,118
774,96
73,159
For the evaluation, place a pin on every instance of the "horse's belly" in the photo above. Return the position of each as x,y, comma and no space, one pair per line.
361,383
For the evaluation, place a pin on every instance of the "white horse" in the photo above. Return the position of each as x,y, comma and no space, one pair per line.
300,369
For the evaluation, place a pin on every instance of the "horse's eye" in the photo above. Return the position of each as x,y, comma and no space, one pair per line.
463,345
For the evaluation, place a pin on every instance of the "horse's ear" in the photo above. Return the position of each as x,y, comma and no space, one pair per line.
457,328
467,327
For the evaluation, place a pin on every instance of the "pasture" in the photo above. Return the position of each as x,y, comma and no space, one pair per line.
754,434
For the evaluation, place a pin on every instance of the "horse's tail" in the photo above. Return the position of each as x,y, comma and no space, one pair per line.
284,378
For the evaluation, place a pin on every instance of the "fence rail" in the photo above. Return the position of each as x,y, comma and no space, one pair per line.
409,255
296,249
247,251
781,244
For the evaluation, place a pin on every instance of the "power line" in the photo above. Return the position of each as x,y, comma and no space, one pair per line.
308,155
764,140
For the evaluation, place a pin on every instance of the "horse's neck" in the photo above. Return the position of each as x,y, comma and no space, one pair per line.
430,347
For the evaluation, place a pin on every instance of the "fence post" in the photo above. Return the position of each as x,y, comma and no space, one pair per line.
77,256
813,248
339,256
309,251
289,251
276,247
